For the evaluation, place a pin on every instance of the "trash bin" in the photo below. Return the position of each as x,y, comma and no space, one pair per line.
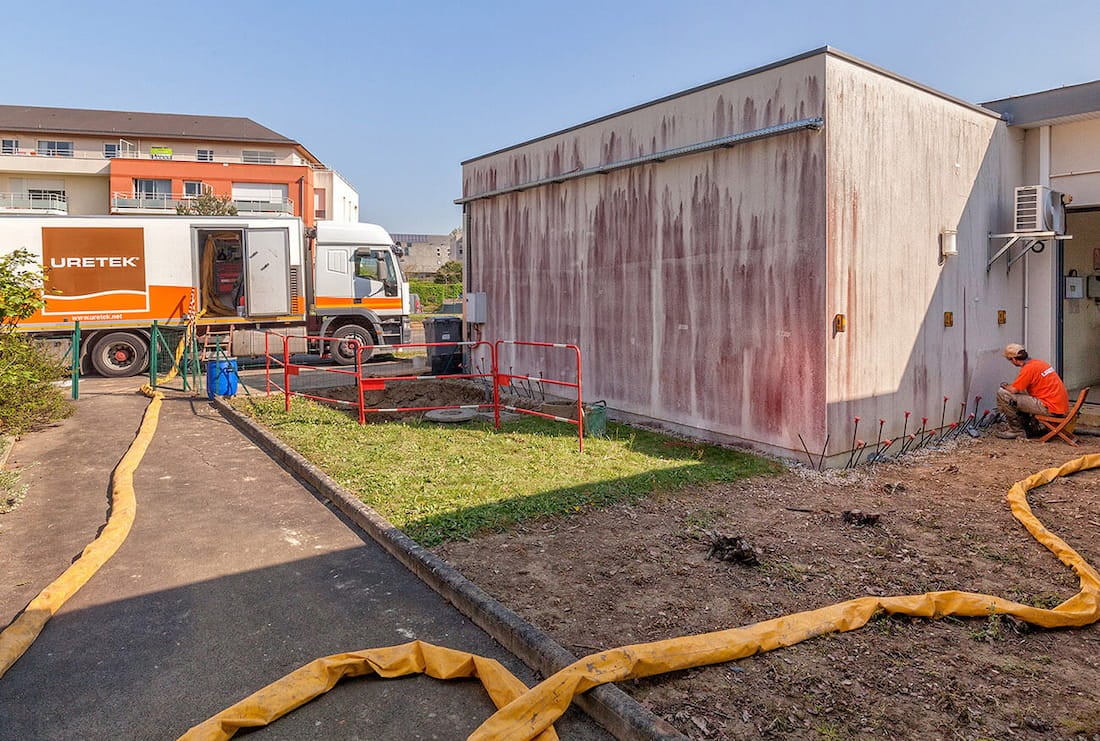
595,419
444,359
221,377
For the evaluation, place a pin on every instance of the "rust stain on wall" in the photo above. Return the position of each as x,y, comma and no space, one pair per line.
695,286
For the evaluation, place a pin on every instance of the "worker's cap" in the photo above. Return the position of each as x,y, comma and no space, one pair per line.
1014,351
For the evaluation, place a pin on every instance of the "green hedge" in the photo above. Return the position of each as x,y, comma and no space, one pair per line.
432,295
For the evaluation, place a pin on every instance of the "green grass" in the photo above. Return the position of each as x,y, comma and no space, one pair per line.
440,482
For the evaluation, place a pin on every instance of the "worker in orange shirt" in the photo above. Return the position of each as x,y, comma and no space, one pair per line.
1036,390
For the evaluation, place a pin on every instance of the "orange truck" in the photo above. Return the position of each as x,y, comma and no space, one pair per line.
233,277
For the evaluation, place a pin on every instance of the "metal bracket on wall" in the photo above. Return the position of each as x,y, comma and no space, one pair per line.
1032,241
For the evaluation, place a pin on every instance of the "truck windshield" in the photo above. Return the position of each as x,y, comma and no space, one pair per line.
379,265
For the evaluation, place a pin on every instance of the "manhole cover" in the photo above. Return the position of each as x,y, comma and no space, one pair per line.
450,415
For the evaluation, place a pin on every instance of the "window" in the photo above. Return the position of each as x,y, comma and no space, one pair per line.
192,188
378,266
261,197
9,146
157,190
204,155
49,148
256,157
46,198
110,151
319,211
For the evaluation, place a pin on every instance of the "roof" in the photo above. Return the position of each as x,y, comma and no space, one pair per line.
824,50
1060,105
129,123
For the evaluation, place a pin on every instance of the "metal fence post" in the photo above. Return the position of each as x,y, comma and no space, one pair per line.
154,348
76,361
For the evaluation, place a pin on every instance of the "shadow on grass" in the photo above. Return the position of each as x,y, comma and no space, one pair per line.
703,464
626,465
497,516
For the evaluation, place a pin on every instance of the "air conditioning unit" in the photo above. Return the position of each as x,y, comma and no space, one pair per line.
1039,209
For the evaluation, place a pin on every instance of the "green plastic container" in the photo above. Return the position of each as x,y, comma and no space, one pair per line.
595,419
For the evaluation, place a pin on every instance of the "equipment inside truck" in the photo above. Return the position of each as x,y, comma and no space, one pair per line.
221,257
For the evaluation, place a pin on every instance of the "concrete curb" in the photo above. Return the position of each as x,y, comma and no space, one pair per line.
608,705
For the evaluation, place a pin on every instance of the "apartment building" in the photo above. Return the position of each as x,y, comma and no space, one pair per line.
90,162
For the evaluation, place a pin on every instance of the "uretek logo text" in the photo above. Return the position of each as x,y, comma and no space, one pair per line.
94,269
93,262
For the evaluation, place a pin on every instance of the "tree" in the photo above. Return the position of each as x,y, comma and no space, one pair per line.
207,204
449,272
21,280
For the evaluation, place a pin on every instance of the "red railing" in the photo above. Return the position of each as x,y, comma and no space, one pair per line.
493,376
505,380
378,383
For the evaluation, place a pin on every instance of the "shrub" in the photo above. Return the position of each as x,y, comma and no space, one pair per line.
28,398
433,295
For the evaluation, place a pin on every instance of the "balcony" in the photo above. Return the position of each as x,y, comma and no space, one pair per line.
155,153
148,203
53,204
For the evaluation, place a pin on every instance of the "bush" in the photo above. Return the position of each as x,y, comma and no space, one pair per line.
28,398
432,295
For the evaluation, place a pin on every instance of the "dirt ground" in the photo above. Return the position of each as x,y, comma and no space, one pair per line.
636,573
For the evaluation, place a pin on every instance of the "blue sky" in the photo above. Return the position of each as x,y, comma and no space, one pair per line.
395,95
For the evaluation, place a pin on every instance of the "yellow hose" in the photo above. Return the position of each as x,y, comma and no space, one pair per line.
319,676
23,631
533,712
542,705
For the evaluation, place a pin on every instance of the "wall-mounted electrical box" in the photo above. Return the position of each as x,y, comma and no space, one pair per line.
477,311
1092,287
1075,286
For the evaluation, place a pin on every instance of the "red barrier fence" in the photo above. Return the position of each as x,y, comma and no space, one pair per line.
505,380
277,352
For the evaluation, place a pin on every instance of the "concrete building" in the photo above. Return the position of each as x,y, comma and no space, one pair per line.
424,254
85,162
763,259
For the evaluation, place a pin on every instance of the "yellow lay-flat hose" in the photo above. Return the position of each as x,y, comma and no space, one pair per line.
321,675
534,712
538,708
18,637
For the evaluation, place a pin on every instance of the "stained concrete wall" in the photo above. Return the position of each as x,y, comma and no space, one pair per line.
702,290
904,165
694,287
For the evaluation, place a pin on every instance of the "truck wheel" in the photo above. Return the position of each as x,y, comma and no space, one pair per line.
120,354
343,352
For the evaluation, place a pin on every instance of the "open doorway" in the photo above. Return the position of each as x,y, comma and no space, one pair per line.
221,260
1080,297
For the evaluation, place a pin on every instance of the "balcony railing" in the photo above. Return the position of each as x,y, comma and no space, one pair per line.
164,203
137,154
56,204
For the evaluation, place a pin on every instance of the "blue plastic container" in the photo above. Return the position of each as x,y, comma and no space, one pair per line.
221,378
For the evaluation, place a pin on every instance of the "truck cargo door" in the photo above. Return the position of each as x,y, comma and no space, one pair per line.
267,272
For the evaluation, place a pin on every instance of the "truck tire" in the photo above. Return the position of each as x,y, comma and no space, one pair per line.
342,351
120,354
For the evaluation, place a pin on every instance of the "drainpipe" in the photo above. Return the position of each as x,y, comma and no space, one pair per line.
302,203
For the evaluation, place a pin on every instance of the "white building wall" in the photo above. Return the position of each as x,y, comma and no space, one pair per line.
694,286
905,164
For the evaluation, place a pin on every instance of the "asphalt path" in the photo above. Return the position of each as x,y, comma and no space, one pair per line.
235,573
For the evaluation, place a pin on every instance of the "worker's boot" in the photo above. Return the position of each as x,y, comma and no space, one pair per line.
1011,432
